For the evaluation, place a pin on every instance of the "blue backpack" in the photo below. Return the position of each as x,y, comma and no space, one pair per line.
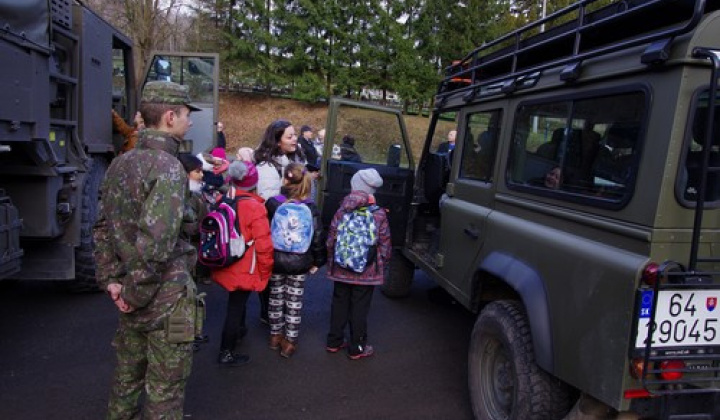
356,242
292,228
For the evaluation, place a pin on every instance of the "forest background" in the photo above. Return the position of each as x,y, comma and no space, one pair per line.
309,50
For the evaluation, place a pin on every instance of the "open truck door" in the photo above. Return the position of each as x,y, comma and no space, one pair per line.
360,135
200,72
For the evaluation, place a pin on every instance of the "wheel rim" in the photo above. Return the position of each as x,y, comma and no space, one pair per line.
498,385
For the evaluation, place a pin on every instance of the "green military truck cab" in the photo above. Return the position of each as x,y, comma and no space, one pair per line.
64,70
578,214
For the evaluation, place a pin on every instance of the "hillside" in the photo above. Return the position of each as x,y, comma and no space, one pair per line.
246,116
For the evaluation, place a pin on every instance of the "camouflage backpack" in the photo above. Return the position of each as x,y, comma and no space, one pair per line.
356,243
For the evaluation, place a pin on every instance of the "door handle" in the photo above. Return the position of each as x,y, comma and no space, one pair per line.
472,232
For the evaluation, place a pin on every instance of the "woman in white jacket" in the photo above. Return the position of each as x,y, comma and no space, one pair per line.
278,148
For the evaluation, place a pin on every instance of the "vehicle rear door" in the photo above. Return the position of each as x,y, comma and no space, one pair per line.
374,137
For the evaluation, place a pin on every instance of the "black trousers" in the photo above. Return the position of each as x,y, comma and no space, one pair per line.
350,306
234,328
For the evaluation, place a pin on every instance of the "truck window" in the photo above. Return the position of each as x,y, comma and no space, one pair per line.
120,78
195,72
480,138
688,180
579,150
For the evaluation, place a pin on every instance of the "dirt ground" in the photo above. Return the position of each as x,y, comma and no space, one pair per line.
246,116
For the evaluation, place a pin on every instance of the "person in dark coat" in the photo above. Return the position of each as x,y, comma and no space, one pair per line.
308,146
221,141
347,150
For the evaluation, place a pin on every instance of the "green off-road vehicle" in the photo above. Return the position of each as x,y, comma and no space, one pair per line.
578,214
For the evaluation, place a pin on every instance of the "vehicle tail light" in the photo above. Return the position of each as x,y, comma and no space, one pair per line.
630,394
650,274
670,370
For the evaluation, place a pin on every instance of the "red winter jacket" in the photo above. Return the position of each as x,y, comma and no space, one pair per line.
254,226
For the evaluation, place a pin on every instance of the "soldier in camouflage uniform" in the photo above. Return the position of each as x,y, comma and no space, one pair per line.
143,263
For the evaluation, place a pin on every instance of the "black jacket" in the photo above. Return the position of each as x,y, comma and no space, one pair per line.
310,151
316,255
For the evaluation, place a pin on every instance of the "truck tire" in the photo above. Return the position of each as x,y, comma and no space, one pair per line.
504,380
399,277
85,280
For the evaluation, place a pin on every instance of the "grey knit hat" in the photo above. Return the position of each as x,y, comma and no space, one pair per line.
367,180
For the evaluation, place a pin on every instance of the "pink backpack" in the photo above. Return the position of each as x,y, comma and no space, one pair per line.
221,240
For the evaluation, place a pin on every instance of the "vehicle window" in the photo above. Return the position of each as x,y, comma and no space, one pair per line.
578,149
195,72
445,133
119,80
480,145
368,136
689,179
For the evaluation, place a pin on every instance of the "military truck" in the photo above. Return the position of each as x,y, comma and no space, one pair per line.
64,70
578,214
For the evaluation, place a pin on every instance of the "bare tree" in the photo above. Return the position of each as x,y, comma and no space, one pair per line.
151,24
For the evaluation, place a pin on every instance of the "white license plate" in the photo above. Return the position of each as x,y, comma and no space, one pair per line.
684,318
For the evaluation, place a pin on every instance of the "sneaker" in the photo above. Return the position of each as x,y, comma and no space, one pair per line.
335,349
230,359
365,351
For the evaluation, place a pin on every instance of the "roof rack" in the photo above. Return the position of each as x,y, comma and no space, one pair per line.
580,31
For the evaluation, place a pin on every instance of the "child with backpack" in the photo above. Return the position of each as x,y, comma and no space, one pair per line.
195,210
247,272
299,243
359,249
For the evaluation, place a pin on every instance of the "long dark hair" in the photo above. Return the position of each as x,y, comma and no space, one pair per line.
270,145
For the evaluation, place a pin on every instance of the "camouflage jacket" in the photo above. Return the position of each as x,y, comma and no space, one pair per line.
137,235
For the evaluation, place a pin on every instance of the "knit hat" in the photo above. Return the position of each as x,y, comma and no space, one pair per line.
245,154
207,166
219,152
243,175
367,180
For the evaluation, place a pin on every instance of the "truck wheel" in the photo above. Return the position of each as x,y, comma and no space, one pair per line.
399,277
85,280
505,383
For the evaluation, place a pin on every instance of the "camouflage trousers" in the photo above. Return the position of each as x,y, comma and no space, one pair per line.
146,360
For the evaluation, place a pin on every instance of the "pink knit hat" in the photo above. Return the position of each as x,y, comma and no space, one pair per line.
219,152
243,175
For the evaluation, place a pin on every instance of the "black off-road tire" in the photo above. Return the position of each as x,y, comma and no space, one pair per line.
505,382
398,280
85,280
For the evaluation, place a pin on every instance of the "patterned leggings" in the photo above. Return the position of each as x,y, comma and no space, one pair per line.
286,301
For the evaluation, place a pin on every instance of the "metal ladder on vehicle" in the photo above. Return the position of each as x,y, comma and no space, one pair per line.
701,373
516,60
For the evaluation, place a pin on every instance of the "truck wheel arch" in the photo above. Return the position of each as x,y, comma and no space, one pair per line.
526,282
